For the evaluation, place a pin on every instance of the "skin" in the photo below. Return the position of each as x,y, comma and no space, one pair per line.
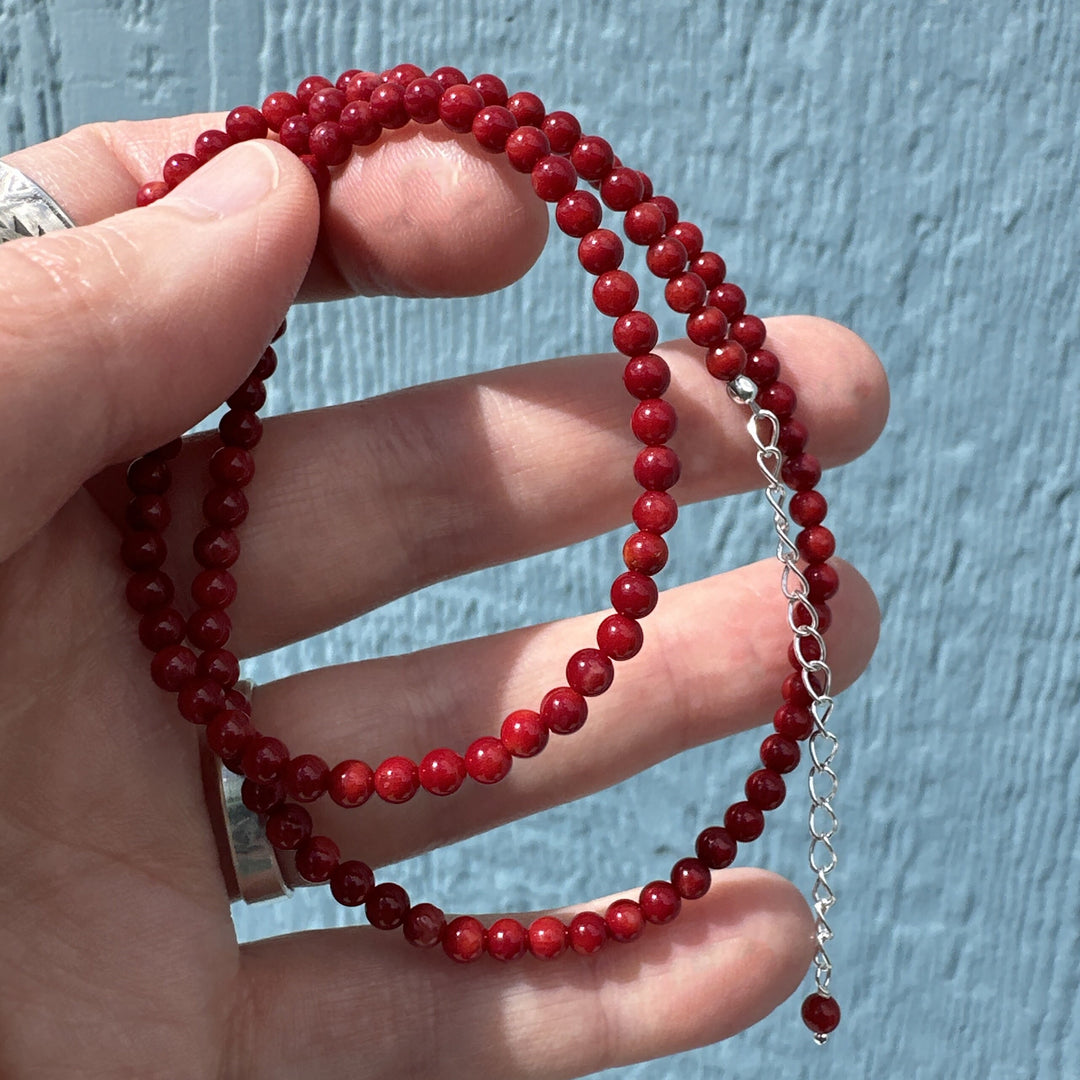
116,943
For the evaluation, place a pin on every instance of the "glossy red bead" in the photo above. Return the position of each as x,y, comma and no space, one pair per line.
801,472
689,235
449,76
278,107
709,267
442,771
507,940
492,126
317,858
619,637
173,666
589,672
229,733
666,258
562,130
209,628
326,104
749,332
592,156
634,333
213,588
161,627
744,821
403,74
669,209
239,427
421,100
726,360
351,783
823,580
660,902
424,926
578,213
654,421
306,777
142,550
547,937
645,553
792,437
309,86
232,465
523,733
358,124
765,789
794,721
149,589
215,547
227,506
655,511
716,847
685,293
151,192
199,699
657,468
587,933
691,878
706,326
634,594
729,298
553,177
346,77
332,146
647,376
265,758
563,710
210,143
351,882
625,921
288,826
763,366
262,798
615,293
148,512
527,108
387,105
644,223
600,251
246,122
487,760
525,147
295,134
492,89
221,665
463,939
178,168
820,1013
148,476
779,753
458,107
779,399
808,508
816,544
621,189
397,779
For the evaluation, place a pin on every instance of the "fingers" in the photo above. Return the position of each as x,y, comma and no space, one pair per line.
445,478
714,658
421,213
726,962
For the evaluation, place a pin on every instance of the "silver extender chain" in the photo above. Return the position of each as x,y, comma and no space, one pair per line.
764,429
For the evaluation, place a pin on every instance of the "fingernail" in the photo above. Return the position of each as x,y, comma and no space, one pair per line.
230,183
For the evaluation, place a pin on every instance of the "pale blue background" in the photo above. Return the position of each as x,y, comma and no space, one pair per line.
907,168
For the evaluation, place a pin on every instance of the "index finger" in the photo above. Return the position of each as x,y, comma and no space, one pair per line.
420,213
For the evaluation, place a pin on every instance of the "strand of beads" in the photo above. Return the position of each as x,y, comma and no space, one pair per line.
321,123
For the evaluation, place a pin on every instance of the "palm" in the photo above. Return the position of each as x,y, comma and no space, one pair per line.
118,949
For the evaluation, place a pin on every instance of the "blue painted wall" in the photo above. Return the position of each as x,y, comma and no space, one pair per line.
909,169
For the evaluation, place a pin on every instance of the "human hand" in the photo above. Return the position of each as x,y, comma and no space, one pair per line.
117,949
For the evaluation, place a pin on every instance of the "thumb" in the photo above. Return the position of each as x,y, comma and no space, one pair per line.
120,335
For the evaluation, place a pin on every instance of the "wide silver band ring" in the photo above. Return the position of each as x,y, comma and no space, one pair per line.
26,210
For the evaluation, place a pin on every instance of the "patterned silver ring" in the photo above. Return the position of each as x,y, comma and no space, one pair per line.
26,210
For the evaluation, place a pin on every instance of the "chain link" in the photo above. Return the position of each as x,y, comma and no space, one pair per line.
764,429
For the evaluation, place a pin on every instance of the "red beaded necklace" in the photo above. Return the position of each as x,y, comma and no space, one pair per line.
321,123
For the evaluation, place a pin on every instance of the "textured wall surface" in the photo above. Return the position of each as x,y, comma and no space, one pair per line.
908,169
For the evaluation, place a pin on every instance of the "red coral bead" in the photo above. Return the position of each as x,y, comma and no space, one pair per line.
351,783
794,721
710,268
763,366
458,107
306,777
507,940
316,859
229,733
442,771
765,789
562,130
246,122
178,168
148,476
386,906
589,672
214,588
792,437
706,326
326,104
492,126
553,177
600,251
160,628
358,124
278,107
729,298
644,223
265,759
660,902
387,105
823,580
492,89
808,508
226,506
397,779
309,86
578,213
647,376
525,147
716,847
587,933
645,552
295,134
691,878
657,468
669,208
749,332
801,472
726,360
216,547
424,926
779,753
523,733
172,667
199,699
239,427
634,333
463,939
685,293
779,399
689,235
744,821
487,760
421,100
210,143
563,710
403,74
615,293
151,192
527,108
621,189
634,594
232,465
666,258
351,882
654,421
547,937
820,1013
149,589
288,826
816,544
625,921
619,637
262,798
449,76
655,511
332,146
209,628
143,550
592,156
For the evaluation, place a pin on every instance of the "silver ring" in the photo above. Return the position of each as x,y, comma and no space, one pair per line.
255,866
26,210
